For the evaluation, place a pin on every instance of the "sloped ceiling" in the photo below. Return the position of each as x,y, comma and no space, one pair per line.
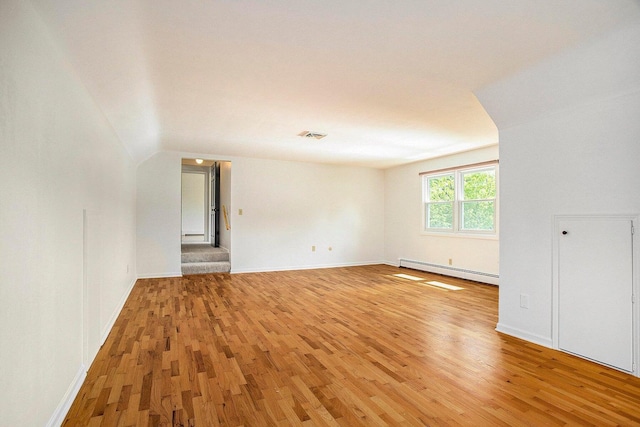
390,82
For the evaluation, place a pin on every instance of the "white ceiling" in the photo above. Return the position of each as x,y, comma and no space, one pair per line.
390,82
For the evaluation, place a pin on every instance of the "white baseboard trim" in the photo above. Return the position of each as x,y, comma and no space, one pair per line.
159,275
67,400
60,413
524,335
303,267
446,270
116,313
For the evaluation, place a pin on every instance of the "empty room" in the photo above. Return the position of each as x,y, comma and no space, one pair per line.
245,213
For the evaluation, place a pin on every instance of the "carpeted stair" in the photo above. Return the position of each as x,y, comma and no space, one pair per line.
203,259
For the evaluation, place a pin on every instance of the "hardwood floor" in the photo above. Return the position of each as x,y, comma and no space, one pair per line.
347,346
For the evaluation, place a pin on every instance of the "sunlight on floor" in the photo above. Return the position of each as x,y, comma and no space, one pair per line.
443,285
409,277
432,283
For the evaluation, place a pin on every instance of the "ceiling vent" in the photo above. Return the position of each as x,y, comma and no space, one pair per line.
310,134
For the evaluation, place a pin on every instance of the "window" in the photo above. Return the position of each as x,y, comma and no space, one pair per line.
461,200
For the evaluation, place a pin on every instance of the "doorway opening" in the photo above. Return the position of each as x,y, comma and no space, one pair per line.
206,199
195,203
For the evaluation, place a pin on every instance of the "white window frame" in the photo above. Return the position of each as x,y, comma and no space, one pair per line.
456,229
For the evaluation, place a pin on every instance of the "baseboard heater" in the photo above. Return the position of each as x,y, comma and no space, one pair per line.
478,276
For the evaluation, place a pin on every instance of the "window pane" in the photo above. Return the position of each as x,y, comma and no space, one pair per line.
478,215
479,185
441,189
440,215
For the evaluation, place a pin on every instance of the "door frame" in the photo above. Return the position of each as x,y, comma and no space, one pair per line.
214,204
635,219
207,215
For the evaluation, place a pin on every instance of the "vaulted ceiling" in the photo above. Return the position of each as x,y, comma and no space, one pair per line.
389,82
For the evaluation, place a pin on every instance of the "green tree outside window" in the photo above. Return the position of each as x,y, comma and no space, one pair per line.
463,200
478,205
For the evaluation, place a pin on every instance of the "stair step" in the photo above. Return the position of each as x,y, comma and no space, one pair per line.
203,253
189,257
206,267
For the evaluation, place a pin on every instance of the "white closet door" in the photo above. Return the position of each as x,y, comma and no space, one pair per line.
595,287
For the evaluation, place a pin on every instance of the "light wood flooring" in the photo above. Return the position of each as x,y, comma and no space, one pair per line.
348,346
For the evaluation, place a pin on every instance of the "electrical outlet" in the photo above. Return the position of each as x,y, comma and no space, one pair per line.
313,248
524,301
239,211
450,261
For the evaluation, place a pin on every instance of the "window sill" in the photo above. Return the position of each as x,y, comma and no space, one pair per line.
480,236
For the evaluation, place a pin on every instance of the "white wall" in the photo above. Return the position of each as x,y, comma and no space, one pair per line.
58,157
403,222
158,216
287,208
225,200
569,144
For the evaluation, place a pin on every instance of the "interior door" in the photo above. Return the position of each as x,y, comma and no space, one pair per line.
595,289
215,204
